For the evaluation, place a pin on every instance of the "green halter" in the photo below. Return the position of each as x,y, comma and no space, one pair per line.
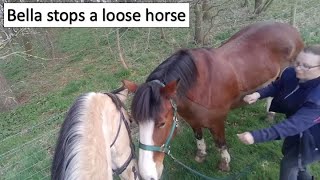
165,148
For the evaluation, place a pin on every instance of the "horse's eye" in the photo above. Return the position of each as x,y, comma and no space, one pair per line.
161,125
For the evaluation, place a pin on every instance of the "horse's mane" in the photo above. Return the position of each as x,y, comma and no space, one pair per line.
68,139
146,104
70,143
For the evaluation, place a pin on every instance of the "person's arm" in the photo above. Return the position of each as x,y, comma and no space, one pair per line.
302,120
271,90
268,91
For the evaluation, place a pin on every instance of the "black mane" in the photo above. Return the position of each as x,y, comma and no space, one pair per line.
146,104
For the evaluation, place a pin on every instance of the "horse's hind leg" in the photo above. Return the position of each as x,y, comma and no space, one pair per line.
270,114
201,145
218,133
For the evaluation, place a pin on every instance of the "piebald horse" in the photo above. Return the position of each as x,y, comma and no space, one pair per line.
202,85
95,140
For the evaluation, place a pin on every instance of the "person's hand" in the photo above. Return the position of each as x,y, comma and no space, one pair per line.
246,138
251,98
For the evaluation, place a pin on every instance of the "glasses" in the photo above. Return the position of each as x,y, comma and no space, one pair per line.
303,66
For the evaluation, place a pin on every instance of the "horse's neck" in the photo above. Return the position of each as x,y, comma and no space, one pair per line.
101,116
106,129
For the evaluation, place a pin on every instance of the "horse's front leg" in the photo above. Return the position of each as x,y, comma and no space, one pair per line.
218,133
201,145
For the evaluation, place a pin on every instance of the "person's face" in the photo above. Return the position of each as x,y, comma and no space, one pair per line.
307,66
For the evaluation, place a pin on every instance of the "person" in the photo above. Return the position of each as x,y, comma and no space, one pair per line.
296,94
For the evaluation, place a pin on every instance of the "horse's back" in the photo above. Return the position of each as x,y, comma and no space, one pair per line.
259,52
281,38
250,59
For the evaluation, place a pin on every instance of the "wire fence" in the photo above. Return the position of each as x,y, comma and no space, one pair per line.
31,159
28,154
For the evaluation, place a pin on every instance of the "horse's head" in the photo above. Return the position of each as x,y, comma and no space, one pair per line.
123,158
154,110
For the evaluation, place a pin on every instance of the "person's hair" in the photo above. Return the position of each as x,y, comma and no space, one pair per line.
314,49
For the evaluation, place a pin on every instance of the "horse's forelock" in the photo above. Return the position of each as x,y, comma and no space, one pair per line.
146,104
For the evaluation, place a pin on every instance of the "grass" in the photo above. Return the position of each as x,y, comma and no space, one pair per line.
87,60
259,160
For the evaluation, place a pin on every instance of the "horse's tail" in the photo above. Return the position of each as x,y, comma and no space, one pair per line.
81,151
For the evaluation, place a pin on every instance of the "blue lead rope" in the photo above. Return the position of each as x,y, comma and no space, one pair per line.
245,171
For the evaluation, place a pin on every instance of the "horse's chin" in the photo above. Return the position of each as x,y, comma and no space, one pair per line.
159,169
132,173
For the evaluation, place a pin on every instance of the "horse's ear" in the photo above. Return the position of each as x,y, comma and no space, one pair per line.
131,86
123,94
170,89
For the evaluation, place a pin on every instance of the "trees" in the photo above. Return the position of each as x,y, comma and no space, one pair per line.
205,13
260,5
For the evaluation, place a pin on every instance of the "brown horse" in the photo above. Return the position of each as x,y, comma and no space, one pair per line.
206,84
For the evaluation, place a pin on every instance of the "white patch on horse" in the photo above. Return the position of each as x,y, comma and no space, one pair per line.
147,166
201,145
225,155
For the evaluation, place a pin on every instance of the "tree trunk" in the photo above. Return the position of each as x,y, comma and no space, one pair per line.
7,99
49,43
198,34
120,50
205,9
293,13
245,4
266,5
162,34
258,6
27,45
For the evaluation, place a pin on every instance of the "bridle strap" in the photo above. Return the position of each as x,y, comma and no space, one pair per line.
120,170
165,148
158,82
118,132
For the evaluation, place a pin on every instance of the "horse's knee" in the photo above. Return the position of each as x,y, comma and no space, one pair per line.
198,133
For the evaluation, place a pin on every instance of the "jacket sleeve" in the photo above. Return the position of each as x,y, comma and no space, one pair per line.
271,90
302,120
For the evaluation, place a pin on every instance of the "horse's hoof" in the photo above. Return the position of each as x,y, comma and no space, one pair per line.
270,117
200,157
224,166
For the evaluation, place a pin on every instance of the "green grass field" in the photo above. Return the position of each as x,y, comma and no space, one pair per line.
86,59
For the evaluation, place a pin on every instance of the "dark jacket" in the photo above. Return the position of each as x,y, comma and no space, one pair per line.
300,102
